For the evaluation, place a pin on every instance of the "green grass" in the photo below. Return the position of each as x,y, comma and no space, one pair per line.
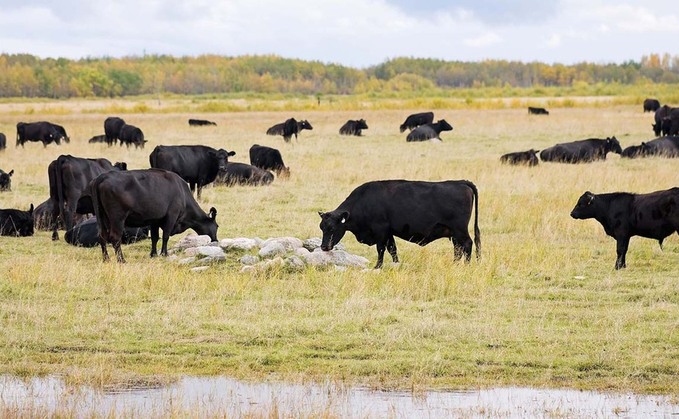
543,306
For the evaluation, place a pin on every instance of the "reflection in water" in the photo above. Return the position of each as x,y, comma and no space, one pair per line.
220,396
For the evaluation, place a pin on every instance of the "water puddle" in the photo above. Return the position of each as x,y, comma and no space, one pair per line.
220,396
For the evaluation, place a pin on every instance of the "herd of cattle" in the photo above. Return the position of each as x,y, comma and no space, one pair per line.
127,205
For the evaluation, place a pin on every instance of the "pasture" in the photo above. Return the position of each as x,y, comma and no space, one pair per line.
543,306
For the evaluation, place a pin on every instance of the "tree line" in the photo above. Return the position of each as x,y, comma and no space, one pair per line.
25,75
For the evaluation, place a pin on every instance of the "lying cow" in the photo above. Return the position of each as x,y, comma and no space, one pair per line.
243,174
97,139
42,216
17,223
419,212
429,131
662,147
353,127
196,164
623,215
417,119
268,158
6,180
86,234
583,151
139,198
289,128
537,111
200,122
528,158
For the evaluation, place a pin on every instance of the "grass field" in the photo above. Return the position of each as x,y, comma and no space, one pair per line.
543,306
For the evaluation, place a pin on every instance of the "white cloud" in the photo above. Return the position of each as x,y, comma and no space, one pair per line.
483,40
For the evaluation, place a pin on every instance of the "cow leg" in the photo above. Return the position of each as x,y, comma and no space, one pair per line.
200,188
462,243
621,248
391,247
119,250
380,254
103,238
167,229
154,240
115,236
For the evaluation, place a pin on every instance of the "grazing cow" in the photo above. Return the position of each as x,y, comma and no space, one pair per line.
670,124
86,234
138,198
43,131
129,135
651,105
42,216
528,158
243,174
583,151
660,115
623,215
17,223
353,127
68,177
200,122
663,147
196,164
419,212
537,111
268,158
112,126
3,141
98,139
429,131
417,119
6,180
289,128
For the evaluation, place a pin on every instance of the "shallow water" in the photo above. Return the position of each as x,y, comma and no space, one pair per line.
212,396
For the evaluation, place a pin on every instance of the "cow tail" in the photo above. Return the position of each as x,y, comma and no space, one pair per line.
60,195
477,232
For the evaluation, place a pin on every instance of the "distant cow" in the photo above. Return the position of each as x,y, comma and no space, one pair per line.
243,174
98,139
68,176
268,158
196,164
112,126
138,198
429,131
353,127
583,151
623,215
86,234
537,111
6,180
417,119
419,212
289,128
663,147
528,158
200,122
131,135
3,141
43,131
42,216
660,115
670,124
14,222
651,105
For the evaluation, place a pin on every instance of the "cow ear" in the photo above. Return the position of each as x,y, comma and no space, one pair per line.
344,217
231,153
11,172
213,213
322,214
30,210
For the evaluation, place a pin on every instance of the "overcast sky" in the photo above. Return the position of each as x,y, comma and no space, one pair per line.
357,33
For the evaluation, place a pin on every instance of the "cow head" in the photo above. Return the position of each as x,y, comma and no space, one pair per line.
362,124
657,129
22,223
210,227
6,180
120,165
444,125
222,158
304,124
613,145
585,208
334,226
634,151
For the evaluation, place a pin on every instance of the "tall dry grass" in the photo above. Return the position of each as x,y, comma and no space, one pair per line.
542,307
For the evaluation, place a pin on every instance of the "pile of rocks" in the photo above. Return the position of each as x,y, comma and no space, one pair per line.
286,252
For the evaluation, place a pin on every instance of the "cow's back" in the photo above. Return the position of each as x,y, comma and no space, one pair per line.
187,161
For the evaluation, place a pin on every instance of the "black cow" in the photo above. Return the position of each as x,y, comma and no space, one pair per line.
243,174
196,164
417,119
138,198
623,215
537,111
660,115
289,128
42,216
6,180
98,139
583,151
353,127
634,151
43,131
112,126
129,135
3,141
268,158
200,122
68,177
86,234
14,222
670,124
663,147
651,105
528,158
419,212
429,131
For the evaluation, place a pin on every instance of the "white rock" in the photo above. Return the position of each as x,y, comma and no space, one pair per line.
191,251
187,261
301,252
210,251
290,243
240,243
193,240
271,250
249,260
246,269
295,263
199,269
